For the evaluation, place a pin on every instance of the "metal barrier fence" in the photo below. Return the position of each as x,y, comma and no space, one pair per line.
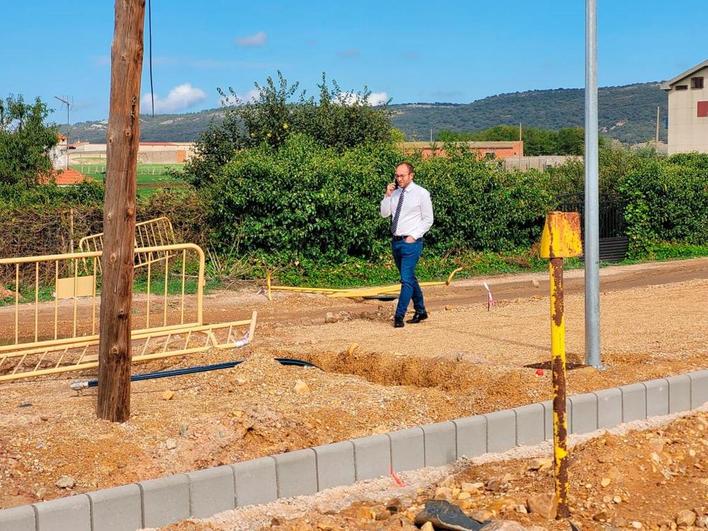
51,327
150,233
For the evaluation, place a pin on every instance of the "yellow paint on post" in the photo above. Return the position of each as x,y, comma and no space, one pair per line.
561,236
561,239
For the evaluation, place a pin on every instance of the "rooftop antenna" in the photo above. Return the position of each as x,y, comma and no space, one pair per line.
65,101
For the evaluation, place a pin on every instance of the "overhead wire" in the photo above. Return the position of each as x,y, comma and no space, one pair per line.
152,89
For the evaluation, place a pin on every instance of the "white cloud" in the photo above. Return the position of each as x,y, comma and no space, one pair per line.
375,98
179,98
251,95
257,39
378,98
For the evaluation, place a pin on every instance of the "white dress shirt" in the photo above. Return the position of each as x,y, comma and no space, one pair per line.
416,215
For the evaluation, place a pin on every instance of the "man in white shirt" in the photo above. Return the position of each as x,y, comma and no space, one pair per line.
412,216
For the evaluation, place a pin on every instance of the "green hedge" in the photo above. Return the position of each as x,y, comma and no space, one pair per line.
39,220
666,200
304,200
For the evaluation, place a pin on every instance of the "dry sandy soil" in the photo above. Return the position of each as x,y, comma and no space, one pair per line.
644,475
464,360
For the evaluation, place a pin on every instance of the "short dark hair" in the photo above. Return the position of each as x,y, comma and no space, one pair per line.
408,166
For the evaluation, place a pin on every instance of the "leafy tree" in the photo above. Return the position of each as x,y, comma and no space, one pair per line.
338,119
566,141
25,141
570,141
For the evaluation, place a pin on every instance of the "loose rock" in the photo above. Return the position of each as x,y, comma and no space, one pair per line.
685,517
65,482
472,487
540,463
301,387
543,504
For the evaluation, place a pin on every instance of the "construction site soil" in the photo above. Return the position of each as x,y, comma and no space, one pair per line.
463,361
645,475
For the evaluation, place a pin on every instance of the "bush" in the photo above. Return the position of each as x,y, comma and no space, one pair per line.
666,200
43,219
23,194
302,200
339,120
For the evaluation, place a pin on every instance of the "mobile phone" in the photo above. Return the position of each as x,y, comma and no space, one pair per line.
395,184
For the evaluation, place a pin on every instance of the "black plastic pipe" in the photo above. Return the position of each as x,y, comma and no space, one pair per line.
192,370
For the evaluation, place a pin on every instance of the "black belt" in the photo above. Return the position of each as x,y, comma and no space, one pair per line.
399,238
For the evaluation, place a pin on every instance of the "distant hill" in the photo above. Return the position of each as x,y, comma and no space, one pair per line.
627,113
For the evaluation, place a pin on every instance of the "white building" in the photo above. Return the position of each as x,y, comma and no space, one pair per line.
688,110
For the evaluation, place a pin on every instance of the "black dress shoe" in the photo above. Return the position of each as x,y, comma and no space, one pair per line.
418,317
398,323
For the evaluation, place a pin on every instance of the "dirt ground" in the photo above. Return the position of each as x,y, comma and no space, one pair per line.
646,475
464,360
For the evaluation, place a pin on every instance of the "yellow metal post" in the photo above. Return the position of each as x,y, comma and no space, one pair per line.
561,239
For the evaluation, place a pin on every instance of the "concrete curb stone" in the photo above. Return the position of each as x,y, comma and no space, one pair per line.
583,413
634,402
335,465
407,449
471,434
18,518
255,481
211,491
530,424
657,397
117,509
609,408
372,456
297,473
501,430
699,388
679,393
165,500
72,513
440,443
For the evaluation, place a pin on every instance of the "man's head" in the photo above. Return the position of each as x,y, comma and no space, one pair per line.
404,174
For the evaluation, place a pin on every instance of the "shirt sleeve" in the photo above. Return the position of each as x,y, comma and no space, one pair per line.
426,216
386,207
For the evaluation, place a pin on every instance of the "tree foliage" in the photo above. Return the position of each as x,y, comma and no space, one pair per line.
25,140
337,119
566,141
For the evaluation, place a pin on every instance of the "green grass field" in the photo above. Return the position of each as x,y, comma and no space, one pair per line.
150,176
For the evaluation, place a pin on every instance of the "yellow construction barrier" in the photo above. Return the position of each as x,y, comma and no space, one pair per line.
61,334
367,291
152,233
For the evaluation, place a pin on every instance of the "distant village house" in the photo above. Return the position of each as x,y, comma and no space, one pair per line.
688,110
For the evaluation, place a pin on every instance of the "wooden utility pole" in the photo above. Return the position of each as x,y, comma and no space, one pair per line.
114,356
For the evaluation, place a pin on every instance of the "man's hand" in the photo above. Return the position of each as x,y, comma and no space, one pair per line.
410,239
390,188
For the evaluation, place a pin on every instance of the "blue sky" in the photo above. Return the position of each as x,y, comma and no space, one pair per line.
414,51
